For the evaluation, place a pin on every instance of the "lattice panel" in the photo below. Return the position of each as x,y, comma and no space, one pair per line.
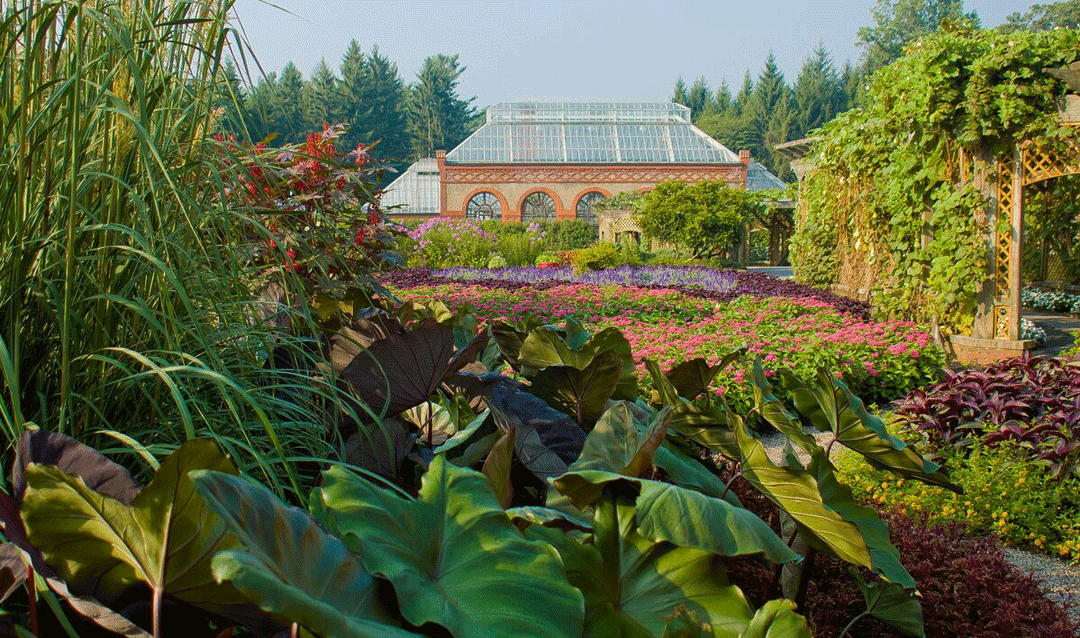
1001,322
1042,163
1003,240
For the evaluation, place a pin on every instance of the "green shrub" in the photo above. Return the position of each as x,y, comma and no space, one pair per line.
571,234
1006,494
547,258
497,261
444,242
520,244
598,257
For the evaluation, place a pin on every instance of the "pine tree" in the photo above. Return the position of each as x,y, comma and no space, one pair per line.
438,117
679,95
742,100
818,94
723,102
385,96
284,113
321,103
698,98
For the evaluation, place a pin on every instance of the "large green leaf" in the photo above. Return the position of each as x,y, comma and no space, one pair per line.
615,443
831,407
774,411
892,604
290,567
777,619
691,378
548,346
666,512
824,510
165,538
453,555
581,393
631,584
796,492
683,469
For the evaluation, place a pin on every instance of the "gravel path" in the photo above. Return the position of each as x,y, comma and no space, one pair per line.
1060,580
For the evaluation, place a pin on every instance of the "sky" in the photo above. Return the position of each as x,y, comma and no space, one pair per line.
570,49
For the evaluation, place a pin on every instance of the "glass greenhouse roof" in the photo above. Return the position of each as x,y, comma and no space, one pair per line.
416,191
590,132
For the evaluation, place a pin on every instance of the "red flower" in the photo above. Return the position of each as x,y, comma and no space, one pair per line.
291,253
358,239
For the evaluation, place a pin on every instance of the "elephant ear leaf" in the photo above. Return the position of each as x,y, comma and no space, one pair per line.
581,393
616,445
668,393
289,567
777,619
497,467
666,512
774,411
452,555
631,583
691,378
403,370
866,434
12,569
165,538
892,604
68,455
832,407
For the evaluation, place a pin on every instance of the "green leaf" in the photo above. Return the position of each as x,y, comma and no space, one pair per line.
497,467
777,619
290,567
453,555
615,444
691,378
545,346
686,471
632,584
666,512
710,427
893,605
165,538
831,406
581,393
796,492
774,411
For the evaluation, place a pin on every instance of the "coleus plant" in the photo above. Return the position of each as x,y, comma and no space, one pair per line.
1034,401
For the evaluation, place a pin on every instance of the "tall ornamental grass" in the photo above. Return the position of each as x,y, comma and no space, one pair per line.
125,312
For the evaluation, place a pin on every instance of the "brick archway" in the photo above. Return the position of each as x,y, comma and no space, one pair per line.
560,212
462,211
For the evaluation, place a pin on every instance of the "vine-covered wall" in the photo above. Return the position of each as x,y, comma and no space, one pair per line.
888,208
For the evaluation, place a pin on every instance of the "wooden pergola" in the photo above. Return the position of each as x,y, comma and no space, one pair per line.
995,331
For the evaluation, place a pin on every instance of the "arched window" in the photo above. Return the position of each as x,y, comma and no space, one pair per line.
586,206
538,207
484,206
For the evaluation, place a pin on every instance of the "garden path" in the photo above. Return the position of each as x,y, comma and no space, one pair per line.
1057,326
782,272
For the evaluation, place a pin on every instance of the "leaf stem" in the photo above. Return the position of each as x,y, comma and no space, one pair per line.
852,623
727,486
31,590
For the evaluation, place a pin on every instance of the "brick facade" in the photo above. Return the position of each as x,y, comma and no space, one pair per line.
566,183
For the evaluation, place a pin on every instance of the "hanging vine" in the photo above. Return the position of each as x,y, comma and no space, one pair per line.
889,208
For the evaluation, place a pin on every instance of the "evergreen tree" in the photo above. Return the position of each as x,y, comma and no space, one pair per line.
438,117
723,102
284,114
355,109
385,98
259,106
698,98
321,103
742,100
679,95
818,94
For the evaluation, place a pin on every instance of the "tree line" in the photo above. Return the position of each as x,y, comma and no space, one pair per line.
366,91
767,111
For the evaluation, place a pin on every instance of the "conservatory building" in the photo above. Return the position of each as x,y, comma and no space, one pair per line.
547,161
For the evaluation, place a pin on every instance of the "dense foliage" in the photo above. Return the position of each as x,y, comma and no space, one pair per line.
446,241
1033,401
705,218
1006,494
885,208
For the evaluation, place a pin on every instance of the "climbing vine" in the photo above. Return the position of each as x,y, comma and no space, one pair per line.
892,208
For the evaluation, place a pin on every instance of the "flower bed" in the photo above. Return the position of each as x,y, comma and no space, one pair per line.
708,283
880,361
